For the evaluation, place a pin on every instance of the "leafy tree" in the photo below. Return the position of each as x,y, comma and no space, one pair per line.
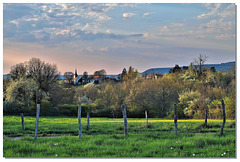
176,69
101,73
6,84
119,98
166,94
143,96
91,92
131,74
124,73
23,90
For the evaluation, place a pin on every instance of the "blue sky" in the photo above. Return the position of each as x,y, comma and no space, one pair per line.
91,37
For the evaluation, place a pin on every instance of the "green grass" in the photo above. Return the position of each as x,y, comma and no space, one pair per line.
106,138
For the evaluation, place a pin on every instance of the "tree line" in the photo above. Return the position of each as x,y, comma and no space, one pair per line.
195,89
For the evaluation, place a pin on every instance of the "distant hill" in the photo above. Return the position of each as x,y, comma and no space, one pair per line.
219,67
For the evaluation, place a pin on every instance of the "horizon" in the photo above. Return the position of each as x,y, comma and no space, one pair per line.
144,70
90,37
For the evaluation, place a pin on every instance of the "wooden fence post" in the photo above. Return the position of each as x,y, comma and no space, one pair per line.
224,118
23,125
146,115
79,122
175,118
37,120
206,116
88,116
125,120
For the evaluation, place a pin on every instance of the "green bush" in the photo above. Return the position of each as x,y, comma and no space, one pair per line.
12,108
71,110
46,109
105,112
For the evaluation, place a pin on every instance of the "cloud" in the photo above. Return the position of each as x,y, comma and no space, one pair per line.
128,15
218,10
214,9
103,49
86,26
14,22
147,13
108,31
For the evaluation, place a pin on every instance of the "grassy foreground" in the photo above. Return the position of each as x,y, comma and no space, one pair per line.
106,138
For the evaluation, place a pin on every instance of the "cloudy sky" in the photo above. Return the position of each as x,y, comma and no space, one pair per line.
91,37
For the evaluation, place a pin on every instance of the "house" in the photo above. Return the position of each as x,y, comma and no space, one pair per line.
77,80
152,76
97,79
91,79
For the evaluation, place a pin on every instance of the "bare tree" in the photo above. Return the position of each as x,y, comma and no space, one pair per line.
18,71
199,63
45,74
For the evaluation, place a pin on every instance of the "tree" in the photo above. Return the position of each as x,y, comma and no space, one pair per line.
191,68
176,69
199,63
69,76
44,74
119,98
166,94
124,73
6,84
143,96
101,73
22,91
91,92
18,71
85,77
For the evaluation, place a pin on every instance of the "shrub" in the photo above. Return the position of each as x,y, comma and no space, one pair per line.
105,112
71,110
12,108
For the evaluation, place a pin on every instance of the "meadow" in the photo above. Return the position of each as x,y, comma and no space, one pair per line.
58,137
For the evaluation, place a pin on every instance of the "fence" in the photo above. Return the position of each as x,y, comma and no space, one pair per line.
124,117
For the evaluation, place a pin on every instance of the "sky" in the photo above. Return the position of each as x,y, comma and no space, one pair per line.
91,37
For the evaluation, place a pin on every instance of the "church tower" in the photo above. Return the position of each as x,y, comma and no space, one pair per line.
75,75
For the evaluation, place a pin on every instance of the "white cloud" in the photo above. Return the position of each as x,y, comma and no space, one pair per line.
147,13
14,22
228,12
108,31
86,26
63,32
103,49
128,15
214,10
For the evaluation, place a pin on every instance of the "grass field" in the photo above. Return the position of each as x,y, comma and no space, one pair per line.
105,138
